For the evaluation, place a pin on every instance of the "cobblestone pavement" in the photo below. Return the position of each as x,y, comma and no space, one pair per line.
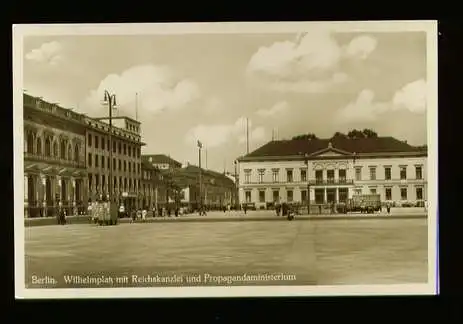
365,251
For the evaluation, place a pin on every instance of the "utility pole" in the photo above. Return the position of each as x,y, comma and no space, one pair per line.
247,135
200,145
110,99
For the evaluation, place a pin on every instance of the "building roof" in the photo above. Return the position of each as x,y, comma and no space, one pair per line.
351,145
160,158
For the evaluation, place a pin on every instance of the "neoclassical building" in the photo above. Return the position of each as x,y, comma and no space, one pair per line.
54,158
333,170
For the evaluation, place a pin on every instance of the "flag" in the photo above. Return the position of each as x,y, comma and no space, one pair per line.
200,145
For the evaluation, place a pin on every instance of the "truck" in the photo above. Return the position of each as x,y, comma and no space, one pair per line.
368,203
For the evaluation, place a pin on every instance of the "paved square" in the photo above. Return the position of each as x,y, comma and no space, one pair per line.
325,252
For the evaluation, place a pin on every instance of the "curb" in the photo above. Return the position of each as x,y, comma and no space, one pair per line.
84,220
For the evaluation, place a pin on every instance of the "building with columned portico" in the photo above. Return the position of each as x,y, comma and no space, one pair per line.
332,170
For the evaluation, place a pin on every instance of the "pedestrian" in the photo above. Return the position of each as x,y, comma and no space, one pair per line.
121,210
388,208
176,212
133,215
245,208
143,214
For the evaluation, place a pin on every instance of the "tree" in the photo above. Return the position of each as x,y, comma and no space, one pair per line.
309,136
339,135
369,133
355,133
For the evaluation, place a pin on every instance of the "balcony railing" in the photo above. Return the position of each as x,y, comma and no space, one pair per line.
328,182
54,160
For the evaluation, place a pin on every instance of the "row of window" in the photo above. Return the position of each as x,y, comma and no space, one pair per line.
64,151
330,174
331,194
119,147
121,183
98,161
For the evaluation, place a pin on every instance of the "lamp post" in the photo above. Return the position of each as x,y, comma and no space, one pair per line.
236,186
110,100
200,145
306,160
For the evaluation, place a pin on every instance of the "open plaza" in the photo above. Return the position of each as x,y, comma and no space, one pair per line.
310,252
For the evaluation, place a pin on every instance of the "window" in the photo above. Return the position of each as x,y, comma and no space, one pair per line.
89,141
108,164
108,146
419,193
261,175
114,147
96,142
125,149
403,173
388,193
63,149
330,176
289,194
403,193
303,175
358,174
114,163
96,161
119,146
358,191
102,161
120,165
261,196
76,153
130,167
89,182
373,191
55,149
69,152
289,175
125,166
419,172
343,194
102,143
276,195
387,173
303,195
247,176
248,196
318,176
275,174
342,176
130,150
372,173
89,159
47,147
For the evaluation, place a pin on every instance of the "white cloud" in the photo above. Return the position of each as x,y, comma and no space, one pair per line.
256,136
158,88
213,105
310,63
277,110
216,135
361,47
49,53
411,97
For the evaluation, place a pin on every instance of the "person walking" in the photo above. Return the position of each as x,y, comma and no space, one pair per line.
388,208
143,214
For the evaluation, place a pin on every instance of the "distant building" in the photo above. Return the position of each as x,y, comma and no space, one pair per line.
332,170
161,161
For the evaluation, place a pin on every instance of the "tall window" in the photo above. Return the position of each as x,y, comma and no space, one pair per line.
276,195
63,149
30,143
387,173
261,175
289,195
114,163
303,175
247,176
130,150
114,147
248,196
372,173
373,191
275,174
102,161
55,149
47,147
108,164
119,165
76,153
96,142
303,195
342,176
89,159
125,149
403,193
89,182
102,142
358,174
96,161
388,193
419,172
39,146
419,193
319,176
289,175
330,176
89,141
119,146
69,152
403,173
358,191
261,196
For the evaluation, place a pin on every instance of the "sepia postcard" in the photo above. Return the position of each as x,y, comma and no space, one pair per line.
225,159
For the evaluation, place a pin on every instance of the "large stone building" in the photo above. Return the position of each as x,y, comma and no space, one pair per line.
54,159
126,160
67,159
333,170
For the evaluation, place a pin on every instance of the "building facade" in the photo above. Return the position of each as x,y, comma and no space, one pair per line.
126,160
54,159
330,171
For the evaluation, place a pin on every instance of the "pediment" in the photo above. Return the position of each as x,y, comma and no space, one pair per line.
330,152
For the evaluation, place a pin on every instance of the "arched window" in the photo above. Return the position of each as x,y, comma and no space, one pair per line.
39,146
55,149
30,143
47,147
69,152
62,149
76,153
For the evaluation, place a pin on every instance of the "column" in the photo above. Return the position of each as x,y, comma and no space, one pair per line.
26,193
337,195
58,187
44,195
74,196
325,200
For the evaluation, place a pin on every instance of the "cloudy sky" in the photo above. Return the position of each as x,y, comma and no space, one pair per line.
204,86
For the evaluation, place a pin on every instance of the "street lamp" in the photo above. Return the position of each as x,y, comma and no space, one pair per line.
110,100
200,146
306,160
236,186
